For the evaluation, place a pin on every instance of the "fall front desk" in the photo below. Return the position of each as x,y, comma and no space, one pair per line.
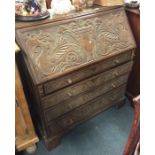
76,66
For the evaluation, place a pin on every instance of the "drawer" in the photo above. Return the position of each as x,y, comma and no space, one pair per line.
86,72
86,111
83,86
81,99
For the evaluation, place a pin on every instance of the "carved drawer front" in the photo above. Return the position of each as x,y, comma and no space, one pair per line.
72,103
83,86
86,111
57,48
91,70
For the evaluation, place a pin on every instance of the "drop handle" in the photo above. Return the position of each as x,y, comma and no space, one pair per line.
113,85
116,73
112,98
68,121
70,106
69,81
69,94
71,121
117,61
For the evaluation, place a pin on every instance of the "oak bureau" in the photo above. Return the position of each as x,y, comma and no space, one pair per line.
76,66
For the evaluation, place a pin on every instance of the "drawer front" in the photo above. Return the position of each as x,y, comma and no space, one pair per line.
81,99
83,86
86,111
89,71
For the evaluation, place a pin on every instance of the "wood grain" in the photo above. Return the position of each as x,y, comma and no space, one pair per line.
133,88
85,85
74,67
79,42
25,134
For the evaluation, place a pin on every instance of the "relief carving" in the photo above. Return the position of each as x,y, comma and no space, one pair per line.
58,48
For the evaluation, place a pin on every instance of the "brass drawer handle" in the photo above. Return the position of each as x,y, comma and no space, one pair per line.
69,94
116,73
69,81
71,121
117,61
112,98
68,121
113,85
69,106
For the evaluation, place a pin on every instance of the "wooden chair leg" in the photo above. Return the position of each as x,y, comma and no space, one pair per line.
134,136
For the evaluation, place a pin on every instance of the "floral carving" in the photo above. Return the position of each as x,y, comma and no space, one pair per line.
54,49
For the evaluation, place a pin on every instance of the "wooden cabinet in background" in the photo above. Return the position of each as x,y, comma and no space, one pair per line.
48,4
26,137
133,88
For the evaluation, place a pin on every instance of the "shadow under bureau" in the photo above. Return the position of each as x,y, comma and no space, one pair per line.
75,66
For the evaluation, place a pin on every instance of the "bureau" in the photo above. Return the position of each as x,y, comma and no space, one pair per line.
75,66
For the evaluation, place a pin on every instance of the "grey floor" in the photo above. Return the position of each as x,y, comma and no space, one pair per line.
105,134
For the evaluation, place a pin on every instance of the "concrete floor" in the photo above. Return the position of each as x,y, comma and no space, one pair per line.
105,134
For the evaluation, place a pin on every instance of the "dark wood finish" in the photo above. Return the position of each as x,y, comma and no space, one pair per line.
48,4
133,88
81,99
79,44
85,85
84,73
25,133
135,130
103,101
75,67
86,111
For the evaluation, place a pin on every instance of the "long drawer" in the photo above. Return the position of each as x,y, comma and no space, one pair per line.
86,72
83,86
70,104
86,111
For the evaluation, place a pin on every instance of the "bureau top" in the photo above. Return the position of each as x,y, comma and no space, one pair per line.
54,47
73,14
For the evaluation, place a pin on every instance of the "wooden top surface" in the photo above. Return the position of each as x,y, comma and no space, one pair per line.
73,14
135,11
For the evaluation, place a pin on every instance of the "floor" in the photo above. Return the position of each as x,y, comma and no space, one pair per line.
105,134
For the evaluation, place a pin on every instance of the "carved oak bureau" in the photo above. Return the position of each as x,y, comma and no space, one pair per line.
75,66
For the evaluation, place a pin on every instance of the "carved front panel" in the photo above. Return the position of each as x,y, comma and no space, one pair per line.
54,49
